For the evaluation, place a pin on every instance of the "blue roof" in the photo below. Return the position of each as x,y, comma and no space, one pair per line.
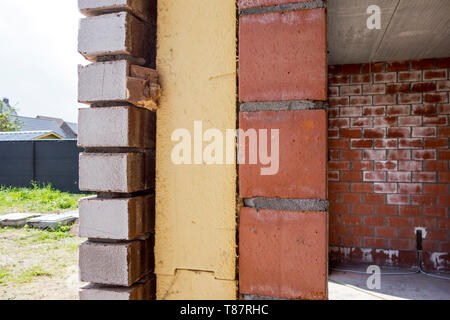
23,135
37,124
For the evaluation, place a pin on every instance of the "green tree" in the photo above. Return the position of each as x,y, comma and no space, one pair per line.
6,122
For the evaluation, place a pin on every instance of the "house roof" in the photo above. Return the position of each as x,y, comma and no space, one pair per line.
41,124
28,135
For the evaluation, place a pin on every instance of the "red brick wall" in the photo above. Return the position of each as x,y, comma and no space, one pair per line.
389,159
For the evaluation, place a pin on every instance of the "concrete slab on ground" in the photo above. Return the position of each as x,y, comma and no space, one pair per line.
17,219
351,286
52,221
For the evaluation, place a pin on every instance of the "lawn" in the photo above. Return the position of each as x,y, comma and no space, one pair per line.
38,264
36,199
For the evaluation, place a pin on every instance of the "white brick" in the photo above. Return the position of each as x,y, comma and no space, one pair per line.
145,9
116,219
144,290
118,264
116,127
115,34
116,172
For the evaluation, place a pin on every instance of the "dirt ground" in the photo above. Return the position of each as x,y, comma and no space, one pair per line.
38,265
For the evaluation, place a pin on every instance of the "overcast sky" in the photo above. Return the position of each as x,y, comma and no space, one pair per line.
38,56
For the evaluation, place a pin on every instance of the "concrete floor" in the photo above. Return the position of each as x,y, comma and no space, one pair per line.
351,286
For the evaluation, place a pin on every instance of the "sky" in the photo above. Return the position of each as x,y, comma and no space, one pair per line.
39,58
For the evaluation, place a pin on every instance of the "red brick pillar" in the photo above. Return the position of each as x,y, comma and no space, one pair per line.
282,85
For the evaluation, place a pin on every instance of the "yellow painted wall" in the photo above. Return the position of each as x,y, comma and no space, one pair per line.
195,204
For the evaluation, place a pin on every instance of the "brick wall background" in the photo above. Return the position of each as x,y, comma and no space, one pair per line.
388,168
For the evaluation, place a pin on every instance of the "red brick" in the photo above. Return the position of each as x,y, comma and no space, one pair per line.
333,112
443,63
339,79
336,69
444,108
420,132
361,122
351,175
444,201
374,67
374,198
348,219
384,121
435,212
374,155
362,165
385,165
360,100
351,197
351,68
399,176
435,75
374,133
434,121
338,101
361,143
436,143
426,110
338,123
386,232
436,165
338,165
410,143
362,208
410,121
424,176
338,208
333,133
244,4
409,187
398,110
362,187
444,224
444,155
339,144
333,154
385,144
400,244
362,231
425,222
435,189
351,133
361,78
398,132
385,187
443,86
408,98
397,66
278,53
384,99
409,76
374,89
374,176
374,111
374,243
333,91
296,131
410,165
444,176
399,222
385,77
333,175
351,155
296,239
410,211
397,88
351,241
441,97
350,111
423,87
444,132
423,200
350,90
398,199
386,210
423,64
424,154
399,155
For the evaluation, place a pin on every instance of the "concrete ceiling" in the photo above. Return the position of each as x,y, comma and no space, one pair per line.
410,29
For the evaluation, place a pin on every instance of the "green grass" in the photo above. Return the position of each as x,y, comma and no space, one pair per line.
36,199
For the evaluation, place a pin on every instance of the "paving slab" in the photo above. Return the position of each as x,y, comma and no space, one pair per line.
17,219
52,221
